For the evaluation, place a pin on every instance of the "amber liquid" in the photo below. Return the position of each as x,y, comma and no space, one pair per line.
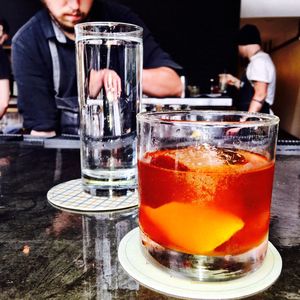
207,203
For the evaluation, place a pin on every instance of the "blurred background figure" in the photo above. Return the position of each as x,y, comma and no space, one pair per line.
5,70
257,84
44,63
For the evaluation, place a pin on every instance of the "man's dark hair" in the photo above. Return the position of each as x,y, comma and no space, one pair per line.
249,34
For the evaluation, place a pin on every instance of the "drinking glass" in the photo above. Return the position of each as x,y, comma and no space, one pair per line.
109,68
205,186
223,83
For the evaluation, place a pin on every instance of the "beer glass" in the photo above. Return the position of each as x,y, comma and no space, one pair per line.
205,187
109,68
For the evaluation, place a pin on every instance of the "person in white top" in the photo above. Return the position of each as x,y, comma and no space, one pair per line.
257,85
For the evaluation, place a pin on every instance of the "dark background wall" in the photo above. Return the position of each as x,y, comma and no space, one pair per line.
199,35
17,12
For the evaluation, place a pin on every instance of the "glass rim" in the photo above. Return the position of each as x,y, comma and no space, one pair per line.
84,29
263,118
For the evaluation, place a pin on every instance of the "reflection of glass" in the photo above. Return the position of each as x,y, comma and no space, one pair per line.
4,164
11,121
109,67
205,195
286,188
194,91
214,87
102,234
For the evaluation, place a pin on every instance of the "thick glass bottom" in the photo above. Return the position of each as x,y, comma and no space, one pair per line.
204,268
104,183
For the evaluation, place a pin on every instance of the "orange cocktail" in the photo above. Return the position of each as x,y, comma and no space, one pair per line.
205,201
205,187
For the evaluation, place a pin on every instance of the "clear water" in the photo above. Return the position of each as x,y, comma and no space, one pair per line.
109,75
109,163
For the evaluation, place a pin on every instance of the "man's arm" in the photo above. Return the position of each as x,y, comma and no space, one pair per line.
4,96
260,94
43,133
161,82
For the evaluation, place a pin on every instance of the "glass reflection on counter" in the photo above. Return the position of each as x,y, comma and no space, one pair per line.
102,234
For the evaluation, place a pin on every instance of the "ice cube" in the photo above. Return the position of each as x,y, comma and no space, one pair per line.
231,156
196,157
168,162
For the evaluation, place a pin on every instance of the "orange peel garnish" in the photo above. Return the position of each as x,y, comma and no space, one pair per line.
193,229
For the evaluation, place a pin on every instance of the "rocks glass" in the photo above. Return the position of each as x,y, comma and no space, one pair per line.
205,186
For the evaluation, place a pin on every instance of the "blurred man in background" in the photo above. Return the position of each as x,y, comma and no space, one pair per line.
257,85
44,50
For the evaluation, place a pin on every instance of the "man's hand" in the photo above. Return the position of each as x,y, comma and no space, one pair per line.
106,78
231,80
42,133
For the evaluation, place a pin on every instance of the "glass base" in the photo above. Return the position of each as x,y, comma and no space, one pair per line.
107,184
109,192
204,268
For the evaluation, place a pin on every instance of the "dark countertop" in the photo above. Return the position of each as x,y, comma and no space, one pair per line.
47,253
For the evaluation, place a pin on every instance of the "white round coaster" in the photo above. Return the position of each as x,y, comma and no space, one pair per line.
136,264
70,195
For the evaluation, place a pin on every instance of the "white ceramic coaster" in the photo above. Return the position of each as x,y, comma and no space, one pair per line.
135,263
70,195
